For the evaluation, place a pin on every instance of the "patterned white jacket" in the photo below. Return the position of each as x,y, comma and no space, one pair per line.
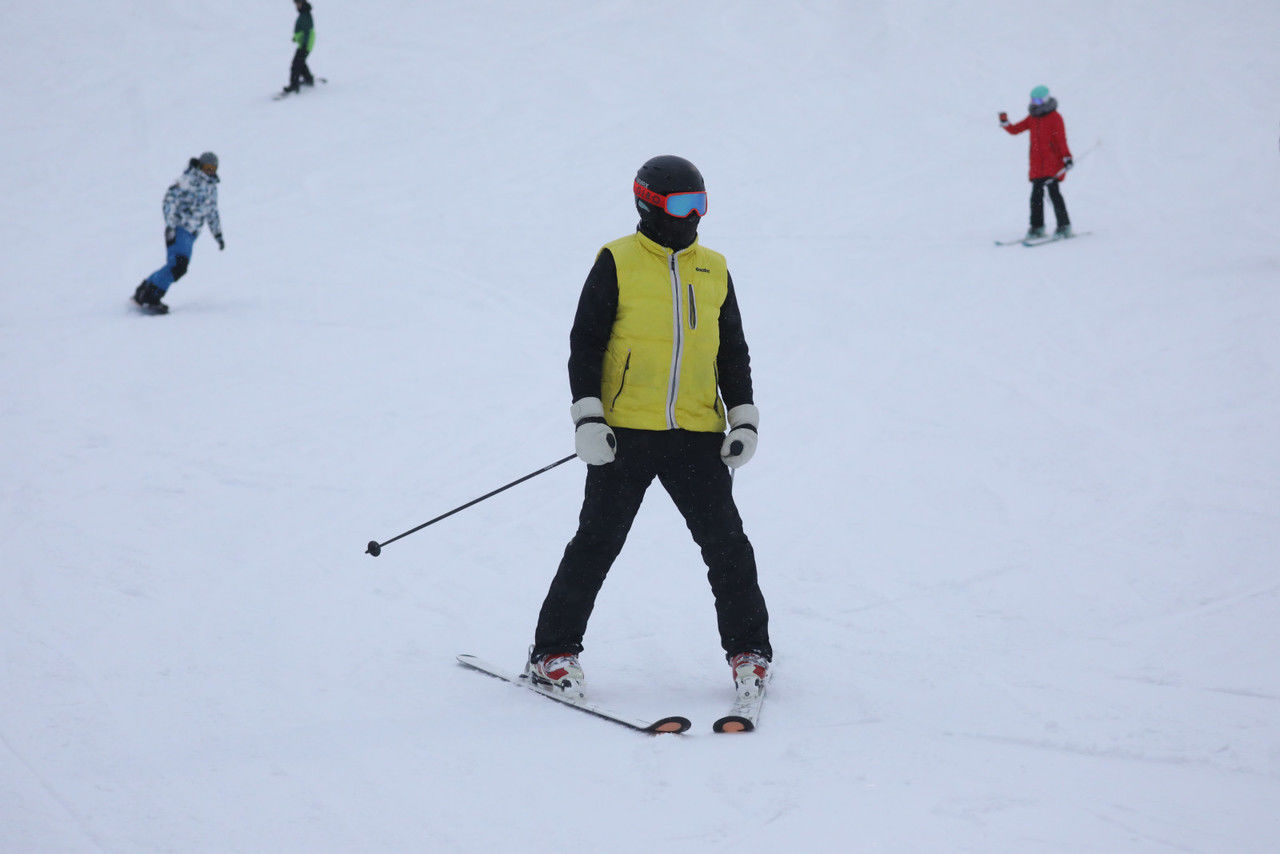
192,200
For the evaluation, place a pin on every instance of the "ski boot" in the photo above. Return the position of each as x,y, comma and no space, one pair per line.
1062,232
147,296
750,672
1034,233
557,673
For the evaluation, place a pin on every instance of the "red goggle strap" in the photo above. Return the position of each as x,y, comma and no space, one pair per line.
644,194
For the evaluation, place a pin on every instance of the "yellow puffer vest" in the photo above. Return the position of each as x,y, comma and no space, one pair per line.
660,365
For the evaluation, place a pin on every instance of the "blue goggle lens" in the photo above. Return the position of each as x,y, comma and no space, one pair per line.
683,204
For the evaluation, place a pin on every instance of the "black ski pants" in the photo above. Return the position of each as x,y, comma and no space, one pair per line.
688,466
1038,186
298,72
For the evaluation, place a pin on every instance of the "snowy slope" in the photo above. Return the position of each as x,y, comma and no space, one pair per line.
1017,511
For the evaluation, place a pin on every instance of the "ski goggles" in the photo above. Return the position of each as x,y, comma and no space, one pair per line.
1037,101
679,205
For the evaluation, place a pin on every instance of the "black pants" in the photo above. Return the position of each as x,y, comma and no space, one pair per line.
298,72
1038,186
689,467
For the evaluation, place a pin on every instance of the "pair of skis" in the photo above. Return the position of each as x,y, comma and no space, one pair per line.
280,96
741,718
1041,241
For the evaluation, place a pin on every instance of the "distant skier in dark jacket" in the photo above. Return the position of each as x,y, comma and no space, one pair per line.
1050,159
190,202
304,37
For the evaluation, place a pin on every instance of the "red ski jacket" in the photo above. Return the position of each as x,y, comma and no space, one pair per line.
1048,144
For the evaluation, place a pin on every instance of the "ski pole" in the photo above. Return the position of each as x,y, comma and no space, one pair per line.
1062,173
375,547
1090,150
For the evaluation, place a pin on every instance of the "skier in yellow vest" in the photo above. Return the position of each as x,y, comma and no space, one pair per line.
658,369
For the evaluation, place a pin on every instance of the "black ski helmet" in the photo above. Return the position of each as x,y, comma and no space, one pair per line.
666,174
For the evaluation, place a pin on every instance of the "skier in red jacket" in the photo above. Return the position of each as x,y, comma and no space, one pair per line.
1050,159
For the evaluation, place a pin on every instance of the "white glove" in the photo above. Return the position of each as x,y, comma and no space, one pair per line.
740,445
592,438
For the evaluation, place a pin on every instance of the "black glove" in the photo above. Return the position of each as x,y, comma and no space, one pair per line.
222,244
169,236
1067,163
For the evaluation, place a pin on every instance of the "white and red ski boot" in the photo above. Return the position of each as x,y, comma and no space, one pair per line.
750,676
750,672
557,673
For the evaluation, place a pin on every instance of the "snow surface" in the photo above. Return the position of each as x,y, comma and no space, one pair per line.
1017,512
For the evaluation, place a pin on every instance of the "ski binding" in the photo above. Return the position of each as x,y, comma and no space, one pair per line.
744,714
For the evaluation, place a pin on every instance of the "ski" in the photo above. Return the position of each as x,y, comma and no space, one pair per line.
279,96
1037,241
744,714
673,723
149,309
746,708
1053,238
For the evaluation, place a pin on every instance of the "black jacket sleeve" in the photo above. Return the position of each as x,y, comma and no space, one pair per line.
592,326
733,364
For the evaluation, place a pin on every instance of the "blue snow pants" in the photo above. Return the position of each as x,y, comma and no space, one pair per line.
175,266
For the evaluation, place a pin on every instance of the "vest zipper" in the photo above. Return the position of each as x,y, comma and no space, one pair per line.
693,309
677,342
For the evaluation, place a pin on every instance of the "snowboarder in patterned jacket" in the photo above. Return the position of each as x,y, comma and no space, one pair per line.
1050,159
304,38
190,202
659,369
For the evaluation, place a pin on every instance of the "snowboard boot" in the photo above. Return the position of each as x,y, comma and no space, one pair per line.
1034,233
148,296
1062,231
557,673
750,672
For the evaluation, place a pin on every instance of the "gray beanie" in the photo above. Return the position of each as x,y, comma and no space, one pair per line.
208,159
